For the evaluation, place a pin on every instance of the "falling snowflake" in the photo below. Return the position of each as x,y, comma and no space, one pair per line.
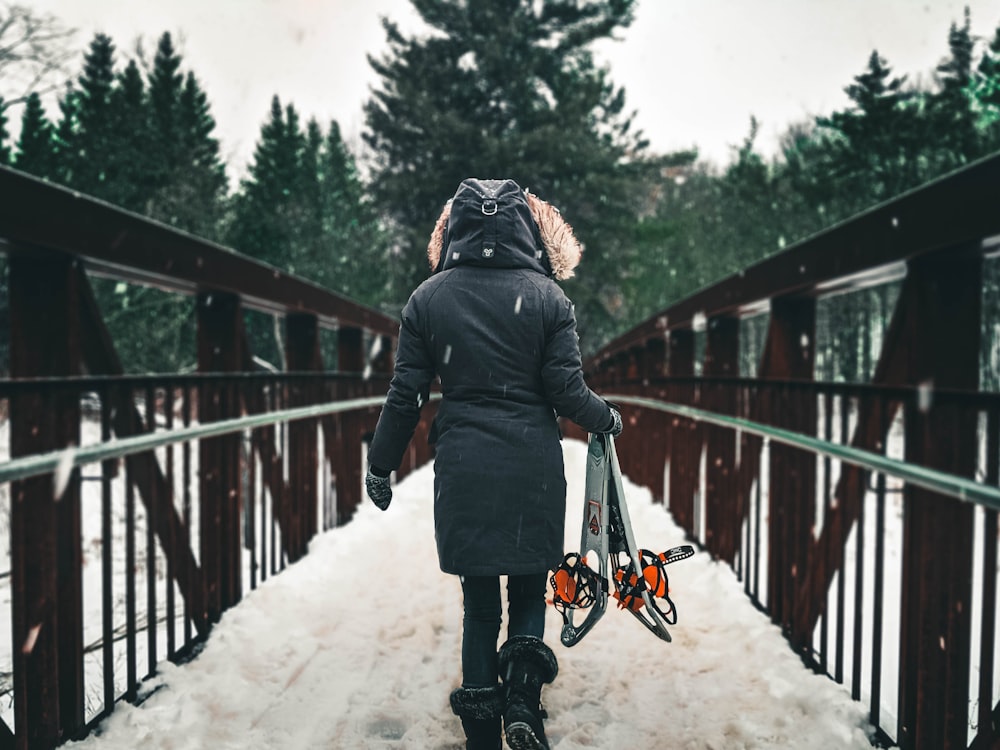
925,396
29,642
63,471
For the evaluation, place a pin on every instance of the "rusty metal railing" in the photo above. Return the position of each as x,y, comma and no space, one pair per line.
813,523
791,487
817,540
120,563
163,548
156,568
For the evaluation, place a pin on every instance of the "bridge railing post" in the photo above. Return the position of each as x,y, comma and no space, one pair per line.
654,443
302,355
936,619
47,600
790,356
631,450
350,359
220,493
721,360
685,440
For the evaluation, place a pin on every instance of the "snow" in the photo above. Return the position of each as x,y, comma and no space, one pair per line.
357,646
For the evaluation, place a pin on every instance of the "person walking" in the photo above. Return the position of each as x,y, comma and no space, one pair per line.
494,327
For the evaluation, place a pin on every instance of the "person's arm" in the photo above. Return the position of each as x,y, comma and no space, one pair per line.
562,373
408,392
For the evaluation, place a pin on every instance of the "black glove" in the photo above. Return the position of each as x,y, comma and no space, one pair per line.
378,488
616,423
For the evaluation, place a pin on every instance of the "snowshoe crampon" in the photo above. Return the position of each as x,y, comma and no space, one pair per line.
606,538
574,585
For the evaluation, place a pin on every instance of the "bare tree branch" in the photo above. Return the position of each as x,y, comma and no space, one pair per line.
34,52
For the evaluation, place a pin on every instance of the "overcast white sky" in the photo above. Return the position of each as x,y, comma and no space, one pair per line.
694,70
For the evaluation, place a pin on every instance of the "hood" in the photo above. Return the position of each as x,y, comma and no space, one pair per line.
495,223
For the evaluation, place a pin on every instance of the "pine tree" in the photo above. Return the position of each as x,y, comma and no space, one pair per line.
94,146
955,72
264,203
301,208
309,246
509,89
665,232
184,183
197,125
987,93
150,151
750,213
261,225
185,174
64,151
35,145
355,247
807,178
950,110
165,85
130,125
164,95
198,180
875,143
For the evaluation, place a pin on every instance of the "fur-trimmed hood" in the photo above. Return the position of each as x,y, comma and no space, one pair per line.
562,250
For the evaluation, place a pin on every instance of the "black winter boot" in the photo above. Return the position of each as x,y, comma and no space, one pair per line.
479,710
526,663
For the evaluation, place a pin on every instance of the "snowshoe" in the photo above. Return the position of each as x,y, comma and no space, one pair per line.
638,576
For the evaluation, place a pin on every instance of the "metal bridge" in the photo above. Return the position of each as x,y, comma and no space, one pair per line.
859,513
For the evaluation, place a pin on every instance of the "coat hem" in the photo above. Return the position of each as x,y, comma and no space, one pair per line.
494,570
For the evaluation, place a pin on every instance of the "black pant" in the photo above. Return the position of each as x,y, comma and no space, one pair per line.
481,624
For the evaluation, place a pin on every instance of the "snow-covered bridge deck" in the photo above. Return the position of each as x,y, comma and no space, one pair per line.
357,646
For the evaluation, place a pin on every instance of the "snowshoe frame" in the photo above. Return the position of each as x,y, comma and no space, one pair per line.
606,532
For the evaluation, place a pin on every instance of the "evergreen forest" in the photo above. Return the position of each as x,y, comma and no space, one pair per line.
137,131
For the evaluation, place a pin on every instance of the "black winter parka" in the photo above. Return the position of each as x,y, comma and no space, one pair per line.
492,324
